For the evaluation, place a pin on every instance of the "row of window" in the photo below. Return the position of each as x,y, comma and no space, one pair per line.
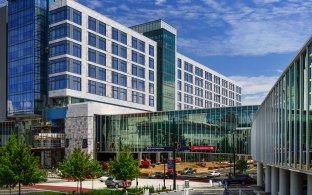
119,64
96,72
96,88
65,47
65,13
65,30
96,41
96,26
119,50
96,57
138,84
65,64
65,81
138,57
119,35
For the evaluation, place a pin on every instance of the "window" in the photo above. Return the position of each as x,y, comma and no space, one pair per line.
77,50
92,55
101,74
151,75
138,97
102,43
85,143
134,56
92,23
123,52
141,59
76,67
151,50
179,74
179,96
151,63
101,89
119,79
141,46
102,28
151,88
188,77
92,39
151,101
77,16
198,82
115,48
123,37
76,33
56,32
59,48
119,64
138,84
138,71
179,85
208,76
115,34
188,67
134,43
198,72
102,58
119,93
179,63
92,87
92,71
76,83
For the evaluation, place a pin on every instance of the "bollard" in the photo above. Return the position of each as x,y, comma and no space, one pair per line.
210,182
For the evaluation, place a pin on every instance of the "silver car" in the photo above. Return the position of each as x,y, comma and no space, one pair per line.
114,183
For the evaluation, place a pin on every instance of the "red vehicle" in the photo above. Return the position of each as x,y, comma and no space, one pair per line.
146,163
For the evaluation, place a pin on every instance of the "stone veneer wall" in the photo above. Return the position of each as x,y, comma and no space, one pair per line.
77,129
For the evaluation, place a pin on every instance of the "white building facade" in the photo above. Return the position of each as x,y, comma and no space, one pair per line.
200,87
93,58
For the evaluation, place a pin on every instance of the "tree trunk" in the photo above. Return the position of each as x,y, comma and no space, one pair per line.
80,187
19,188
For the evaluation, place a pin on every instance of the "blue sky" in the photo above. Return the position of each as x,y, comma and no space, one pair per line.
250,41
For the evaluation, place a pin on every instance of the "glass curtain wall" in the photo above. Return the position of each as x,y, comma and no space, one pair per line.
223,128
281,132
27,40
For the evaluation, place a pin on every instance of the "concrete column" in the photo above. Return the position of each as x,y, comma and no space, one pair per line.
284,182
42,158
295,183
157,157
309,189
259,174
170,155
274,180
267,180
139,157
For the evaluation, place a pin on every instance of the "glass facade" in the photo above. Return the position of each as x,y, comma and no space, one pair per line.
281,131
214,127
27,56
166,49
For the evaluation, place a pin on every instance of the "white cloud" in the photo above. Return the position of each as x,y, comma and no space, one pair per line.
160,2
93,4
254,88
265,1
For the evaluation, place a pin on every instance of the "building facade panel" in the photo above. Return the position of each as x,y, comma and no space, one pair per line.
200,87
114,61
281,131
3,62
217,127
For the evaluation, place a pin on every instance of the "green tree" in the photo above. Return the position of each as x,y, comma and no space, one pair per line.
79,166
241,165
124,166
19,165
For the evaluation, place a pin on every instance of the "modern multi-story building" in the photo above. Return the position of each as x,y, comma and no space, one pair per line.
27,57
282,130
200,87
93,58
3,62
67,63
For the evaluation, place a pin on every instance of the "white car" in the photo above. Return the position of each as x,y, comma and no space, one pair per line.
103,178
213,174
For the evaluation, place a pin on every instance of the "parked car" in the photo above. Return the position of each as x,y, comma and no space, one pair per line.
213,174
103,178
114,183
238,179
187,171
157,175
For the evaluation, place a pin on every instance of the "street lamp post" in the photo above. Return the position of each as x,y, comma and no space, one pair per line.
174,154
164,172
233,148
